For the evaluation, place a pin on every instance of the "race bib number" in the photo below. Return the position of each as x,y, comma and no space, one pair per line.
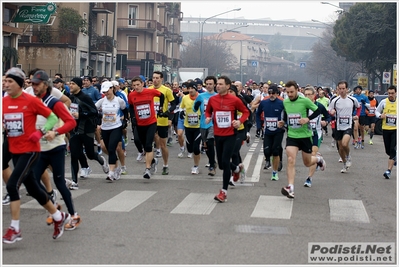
14,123
293,121
192,119
343,121
109,117
143,111
313,124
271,123
156,106
372,110
74,108
223,119
390,120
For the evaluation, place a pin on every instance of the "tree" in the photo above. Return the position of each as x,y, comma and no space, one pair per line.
326,63
276,48
217,56
367,34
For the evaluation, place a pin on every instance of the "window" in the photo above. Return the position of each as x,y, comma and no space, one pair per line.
102,27
7,41
132,47
132,15
7,14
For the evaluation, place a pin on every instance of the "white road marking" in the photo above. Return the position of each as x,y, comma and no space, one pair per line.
273,207
348,210
197,204
125,201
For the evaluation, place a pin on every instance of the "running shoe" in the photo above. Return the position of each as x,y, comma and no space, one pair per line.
181,154
212,171
344,169
158,154
387,174
165,170
362,145
153,168
194,170
59,226
308,182
126,141
73,222
85,172
370,142
332,143
53,197
340,160
208,165
242,172
73,186
286,191
6,200
221,197
123,170
147,174
267,165
12,236
248,139
110,177
274,176
348,161
105,166
99,150
189,155
117,173
139,156
231,182
169,142
321,163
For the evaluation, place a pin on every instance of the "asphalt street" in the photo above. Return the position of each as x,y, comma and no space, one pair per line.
173,219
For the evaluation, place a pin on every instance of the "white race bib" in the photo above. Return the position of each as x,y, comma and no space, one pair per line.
223,119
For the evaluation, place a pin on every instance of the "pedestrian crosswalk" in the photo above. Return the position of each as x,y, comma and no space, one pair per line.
197,203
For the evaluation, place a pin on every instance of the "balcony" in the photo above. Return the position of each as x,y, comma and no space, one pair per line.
102,44
48,37
139,55
126,24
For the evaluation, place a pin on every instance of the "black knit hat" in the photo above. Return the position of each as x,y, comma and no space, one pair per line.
78,81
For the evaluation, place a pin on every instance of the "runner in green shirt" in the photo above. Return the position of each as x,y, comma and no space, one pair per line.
299,135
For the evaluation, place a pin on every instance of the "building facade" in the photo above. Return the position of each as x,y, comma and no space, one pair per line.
104,39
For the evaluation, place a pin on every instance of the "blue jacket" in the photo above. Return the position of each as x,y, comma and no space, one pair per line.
359,99
273,112
202,100
93,93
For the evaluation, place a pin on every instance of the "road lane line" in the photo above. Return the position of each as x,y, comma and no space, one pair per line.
348,210
125,201
273,207
196,204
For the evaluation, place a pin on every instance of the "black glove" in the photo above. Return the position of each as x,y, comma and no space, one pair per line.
363,101
182,115
166,114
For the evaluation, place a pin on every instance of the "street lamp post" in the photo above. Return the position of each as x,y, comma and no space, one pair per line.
318,21
202,28
241,55
341,11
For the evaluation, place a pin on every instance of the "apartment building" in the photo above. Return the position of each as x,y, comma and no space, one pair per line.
105,39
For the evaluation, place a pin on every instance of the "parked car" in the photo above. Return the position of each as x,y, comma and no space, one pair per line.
378,123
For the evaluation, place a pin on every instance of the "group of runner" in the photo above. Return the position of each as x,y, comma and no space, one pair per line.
215,119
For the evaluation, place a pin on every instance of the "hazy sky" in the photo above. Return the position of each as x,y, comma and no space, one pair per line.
298,10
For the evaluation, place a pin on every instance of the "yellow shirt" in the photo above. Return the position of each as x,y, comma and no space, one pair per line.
168,98
192,119
390,110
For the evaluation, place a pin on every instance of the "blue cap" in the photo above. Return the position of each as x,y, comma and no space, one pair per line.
121,80
142,77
